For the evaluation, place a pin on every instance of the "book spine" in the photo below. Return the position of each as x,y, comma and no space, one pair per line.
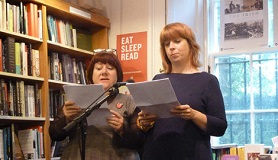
36,23
1,55
4,105
17,153
75,77
5,145
21,97
26,98
50,28
1,99
24,59
51,104
18,100
37,101
70,69
8,143
64,68
11,101
82,73
17,58
27,142
40,23
30,59
55,67
31,18
3,16
36,63
9,51
1,144
16,112
21,19
32,100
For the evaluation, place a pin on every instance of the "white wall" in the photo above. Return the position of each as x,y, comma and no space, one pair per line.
129,16
190,12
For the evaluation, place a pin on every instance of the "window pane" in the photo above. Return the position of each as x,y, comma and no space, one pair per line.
266,127
238,89
233,74
265,80
249,85
238,130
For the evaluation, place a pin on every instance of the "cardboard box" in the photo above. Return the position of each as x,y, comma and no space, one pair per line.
91,4
87,4
268,157
98,4
72,1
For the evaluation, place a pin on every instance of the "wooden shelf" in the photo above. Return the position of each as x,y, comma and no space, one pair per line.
66,11
95,24
14,76
21,37
20,119
69,50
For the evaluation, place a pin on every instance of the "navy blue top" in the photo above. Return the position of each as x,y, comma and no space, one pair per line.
178,139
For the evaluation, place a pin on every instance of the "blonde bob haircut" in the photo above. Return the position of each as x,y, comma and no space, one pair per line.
172,32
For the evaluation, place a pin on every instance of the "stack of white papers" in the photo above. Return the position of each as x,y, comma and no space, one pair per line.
83,96
156,97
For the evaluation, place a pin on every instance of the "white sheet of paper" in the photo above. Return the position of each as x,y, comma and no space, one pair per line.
156,97
85,95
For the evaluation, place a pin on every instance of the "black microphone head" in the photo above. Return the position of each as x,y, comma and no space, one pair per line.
130,81
119,84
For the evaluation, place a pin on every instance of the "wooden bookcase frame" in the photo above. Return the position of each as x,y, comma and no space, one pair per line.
97,25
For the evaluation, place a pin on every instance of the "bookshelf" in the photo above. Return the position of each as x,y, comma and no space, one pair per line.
81,19
219,150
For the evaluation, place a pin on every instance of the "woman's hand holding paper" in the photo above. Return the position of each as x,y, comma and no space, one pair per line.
145,121
71,111
116,121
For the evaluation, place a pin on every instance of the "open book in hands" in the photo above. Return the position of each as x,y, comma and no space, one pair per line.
155,97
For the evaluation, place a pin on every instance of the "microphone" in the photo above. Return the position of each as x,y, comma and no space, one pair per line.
119,84
130,80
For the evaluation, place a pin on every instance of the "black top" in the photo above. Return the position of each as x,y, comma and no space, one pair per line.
178,139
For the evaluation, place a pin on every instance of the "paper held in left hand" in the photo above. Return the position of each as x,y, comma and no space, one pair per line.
83,96
156,97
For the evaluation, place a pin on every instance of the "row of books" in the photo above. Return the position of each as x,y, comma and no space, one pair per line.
246,152
61,31
64,33
57,148
21,144
19,58
21,18
62,67
56,101
20,99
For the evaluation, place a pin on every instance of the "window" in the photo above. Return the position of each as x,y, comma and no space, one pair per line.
248,81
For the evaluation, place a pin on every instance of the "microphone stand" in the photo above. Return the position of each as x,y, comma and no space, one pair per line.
78,120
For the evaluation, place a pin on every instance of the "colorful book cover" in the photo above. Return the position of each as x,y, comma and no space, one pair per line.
229,157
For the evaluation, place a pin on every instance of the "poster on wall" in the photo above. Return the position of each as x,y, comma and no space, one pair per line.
132,53
243,24
275,22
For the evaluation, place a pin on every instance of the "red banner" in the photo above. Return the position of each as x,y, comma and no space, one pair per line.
132,53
